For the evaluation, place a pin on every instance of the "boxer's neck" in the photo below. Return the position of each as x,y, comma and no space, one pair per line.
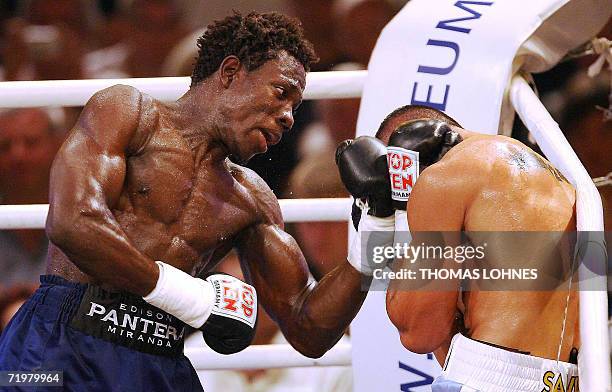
196,118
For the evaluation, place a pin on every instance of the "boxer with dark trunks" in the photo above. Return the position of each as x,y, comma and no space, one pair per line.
510,340
144,199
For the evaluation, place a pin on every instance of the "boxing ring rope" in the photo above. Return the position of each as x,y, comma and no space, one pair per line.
33,216
267,357
595,349
23,94
341,84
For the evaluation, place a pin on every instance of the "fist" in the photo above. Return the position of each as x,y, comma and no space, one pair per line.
231,325
362,164
412,147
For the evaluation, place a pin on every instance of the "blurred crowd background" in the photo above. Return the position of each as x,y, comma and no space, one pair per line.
82,39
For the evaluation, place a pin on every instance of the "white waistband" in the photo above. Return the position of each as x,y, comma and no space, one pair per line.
491,369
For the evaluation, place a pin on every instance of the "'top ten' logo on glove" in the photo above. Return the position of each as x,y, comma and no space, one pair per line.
237,301
403,171
231,325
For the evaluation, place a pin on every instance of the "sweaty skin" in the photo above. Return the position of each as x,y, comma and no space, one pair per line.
489,183
138,180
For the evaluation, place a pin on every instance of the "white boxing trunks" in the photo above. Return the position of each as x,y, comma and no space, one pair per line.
472,366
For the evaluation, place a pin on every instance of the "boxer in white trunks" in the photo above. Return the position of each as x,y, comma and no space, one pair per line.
486,340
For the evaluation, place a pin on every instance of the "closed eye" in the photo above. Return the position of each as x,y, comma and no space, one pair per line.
287,92
282,92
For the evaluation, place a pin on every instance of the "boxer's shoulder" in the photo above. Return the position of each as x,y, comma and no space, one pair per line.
516,161
480,150
497,156
451,184
267,209
120,97
462,167
120,112
112,111
442,193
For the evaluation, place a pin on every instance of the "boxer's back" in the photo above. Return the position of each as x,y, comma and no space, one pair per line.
510,188
517,189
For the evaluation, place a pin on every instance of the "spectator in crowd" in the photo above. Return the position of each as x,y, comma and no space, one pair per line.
198,13
141,35
360,21
11,300
29,139
320,26
47,40
181,58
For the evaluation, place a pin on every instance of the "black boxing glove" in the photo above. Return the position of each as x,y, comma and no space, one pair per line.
223,307
430,138
412,147
362,164
230,328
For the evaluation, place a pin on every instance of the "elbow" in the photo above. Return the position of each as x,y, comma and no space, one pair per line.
314,354
312,342
422,342
419,334
59,229
310,349
422,329
65,227
423,336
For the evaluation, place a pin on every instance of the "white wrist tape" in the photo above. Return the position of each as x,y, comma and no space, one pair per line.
401,220
402,232
187,298
372,232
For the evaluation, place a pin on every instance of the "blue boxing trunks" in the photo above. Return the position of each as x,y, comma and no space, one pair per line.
472,366
100,341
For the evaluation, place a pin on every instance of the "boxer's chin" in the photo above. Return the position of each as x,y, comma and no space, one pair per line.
241,158
236,159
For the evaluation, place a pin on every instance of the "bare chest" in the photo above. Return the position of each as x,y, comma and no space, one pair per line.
173,208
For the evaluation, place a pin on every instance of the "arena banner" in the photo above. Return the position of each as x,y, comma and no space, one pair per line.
455,56
458,57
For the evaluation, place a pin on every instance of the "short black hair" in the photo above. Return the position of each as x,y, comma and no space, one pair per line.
408,113
254,39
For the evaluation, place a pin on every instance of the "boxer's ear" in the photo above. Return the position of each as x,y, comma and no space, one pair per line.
228,70
452,138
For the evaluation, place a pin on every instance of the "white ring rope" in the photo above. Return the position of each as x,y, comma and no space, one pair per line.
33,216
319,85
595,348
267,357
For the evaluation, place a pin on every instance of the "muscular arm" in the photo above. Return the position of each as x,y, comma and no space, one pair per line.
425,317
86,182
312,315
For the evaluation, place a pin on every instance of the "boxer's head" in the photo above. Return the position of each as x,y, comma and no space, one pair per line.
408,113
257,64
